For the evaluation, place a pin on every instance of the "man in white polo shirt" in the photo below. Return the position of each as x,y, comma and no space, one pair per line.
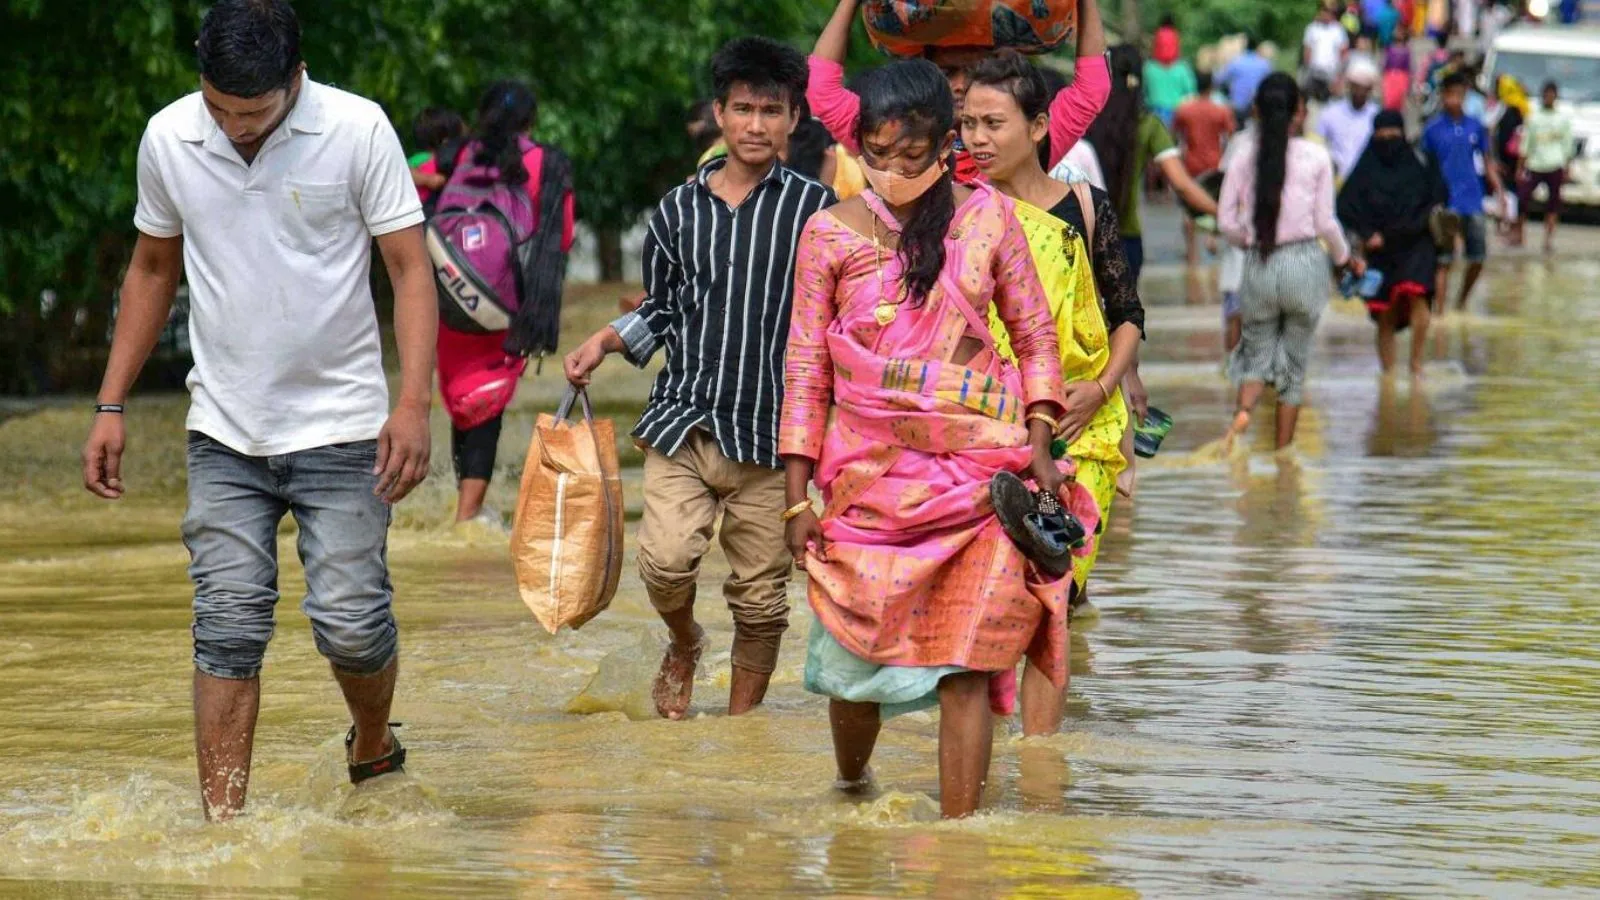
267,189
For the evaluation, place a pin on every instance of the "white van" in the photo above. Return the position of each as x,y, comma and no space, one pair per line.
1569,56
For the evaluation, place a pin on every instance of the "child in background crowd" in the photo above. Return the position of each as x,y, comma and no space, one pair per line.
433,129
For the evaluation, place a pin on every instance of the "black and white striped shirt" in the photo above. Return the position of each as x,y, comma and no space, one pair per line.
720,284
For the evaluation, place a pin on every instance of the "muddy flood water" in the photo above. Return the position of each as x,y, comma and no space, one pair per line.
1368,668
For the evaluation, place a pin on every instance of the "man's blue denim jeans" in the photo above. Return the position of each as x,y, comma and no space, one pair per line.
231,530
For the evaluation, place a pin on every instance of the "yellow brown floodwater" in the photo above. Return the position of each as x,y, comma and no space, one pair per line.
1366,669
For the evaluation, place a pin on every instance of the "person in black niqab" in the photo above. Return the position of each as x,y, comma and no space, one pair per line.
1386,203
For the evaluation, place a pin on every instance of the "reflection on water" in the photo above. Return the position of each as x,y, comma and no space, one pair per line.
1363,667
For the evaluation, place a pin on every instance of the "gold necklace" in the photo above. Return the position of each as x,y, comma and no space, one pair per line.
887,310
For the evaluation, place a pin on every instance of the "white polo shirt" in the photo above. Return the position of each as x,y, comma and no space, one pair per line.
277,254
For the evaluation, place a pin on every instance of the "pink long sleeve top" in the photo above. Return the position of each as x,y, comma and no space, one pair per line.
1307,211
1071,112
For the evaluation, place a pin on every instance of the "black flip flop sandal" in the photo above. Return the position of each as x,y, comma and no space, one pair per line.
394,761
1036,523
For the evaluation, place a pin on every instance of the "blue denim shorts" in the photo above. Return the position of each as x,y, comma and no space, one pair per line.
1474,239
231,530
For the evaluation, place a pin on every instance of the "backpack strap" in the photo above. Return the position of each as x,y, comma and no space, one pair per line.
1080,189
449,156
541,261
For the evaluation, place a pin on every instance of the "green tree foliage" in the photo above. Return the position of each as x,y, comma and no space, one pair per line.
1204,21
79,79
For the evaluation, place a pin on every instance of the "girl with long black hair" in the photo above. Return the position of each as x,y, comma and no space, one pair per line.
920,597
478,372
1277,200
1129,138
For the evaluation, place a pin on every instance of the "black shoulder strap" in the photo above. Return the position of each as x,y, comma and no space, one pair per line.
542,263
448,153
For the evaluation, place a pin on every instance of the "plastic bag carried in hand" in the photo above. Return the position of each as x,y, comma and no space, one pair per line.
566,538
908,27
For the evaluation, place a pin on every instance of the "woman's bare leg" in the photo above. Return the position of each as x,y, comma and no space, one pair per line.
1386,322
966,738
1421,318
469,500
855,733
1249,395
1288,421
1043,704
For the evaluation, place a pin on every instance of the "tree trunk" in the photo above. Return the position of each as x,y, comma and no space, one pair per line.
1132,25
609,242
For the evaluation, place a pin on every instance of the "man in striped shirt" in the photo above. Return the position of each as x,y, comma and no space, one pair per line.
719,261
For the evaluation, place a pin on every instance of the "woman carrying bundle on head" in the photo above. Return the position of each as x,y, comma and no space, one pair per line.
1072,110
920,596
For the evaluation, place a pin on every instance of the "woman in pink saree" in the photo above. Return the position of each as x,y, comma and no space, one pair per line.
919,595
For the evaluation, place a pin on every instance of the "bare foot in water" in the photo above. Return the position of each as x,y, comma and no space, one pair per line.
674,684
1240,424
864,787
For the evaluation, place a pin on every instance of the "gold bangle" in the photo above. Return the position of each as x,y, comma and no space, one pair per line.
1055,425
1103,389
794,511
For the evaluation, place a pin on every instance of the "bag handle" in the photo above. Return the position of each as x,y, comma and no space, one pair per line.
574,394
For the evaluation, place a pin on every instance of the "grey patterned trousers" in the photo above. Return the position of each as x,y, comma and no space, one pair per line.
1282,299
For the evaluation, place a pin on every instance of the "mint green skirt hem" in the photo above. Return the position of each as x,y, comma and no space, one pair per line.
833,671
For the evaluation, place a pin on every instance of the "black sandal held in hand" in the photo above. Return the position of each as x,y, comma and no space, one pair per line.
1037,524
388,764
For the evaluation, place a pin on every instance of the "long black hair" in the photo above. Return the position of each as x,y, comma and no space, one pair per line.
1117,127
808,148
915,94
1010,71
1277,103
505,113
1055,81
435,127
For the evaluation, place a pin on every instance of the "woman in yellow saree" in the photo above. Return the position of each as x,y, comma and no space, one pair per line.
899,405
1072,233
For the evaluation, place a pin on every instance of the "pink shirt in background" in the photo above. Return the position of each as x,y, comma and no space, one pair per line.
1071,112
1307,211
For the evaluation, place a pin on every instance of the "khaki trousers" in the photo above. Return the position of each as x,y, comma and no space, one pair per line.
683,495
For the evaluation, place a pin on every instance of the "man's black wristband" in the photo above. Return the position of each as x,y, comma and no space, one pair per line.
113,408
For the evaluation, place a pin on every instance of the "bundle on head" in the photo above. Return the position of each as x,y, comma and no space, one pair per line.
909,28
915,95
505,114
1277,103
